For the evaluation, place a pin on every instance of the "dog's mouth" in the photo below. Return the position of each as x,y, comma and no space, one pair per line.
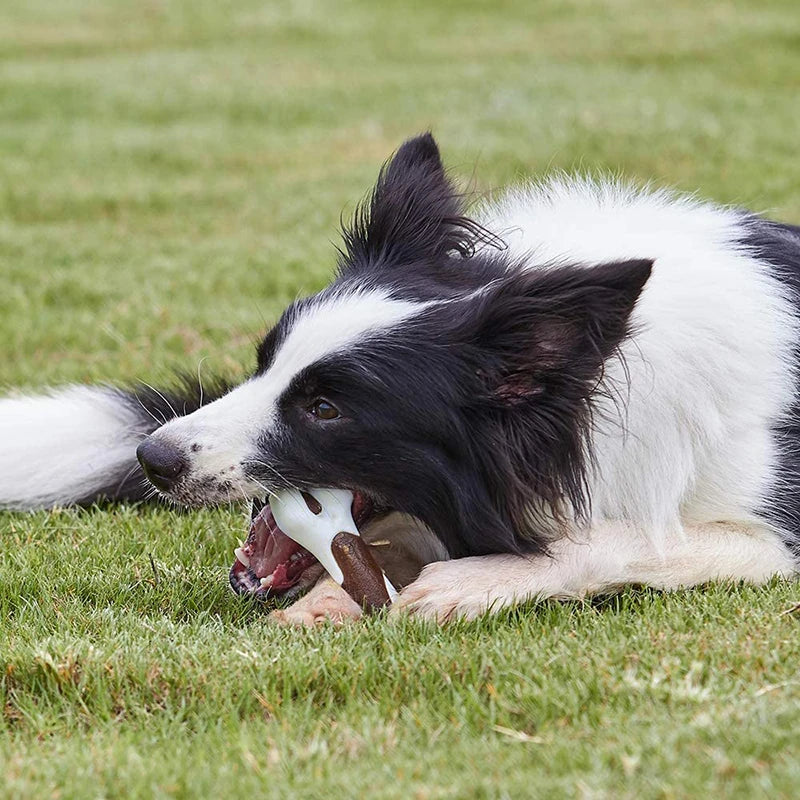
270,565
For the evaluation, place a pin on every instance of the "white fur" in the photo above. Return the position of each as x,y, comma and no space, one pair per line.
613,556
711,366
680,475
226,431
56,449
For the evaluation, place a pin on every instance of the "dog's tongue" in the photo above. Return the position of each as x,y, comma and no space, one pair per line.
270,562
275,559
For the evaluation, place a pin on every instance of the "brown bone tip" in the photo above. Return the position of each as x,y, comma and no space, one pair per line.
363,578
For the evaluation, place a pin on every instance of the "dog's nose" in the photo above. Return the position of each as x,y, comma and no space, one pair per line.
162,463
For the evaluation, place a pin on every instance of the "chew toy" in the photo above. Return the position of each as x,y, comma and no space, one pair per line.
322,521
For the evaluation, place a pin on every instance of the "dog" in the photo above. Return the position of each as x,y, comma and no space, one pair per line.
576,386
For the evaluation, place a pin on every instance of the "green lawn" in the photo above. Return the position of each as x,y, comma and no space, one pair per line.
171,174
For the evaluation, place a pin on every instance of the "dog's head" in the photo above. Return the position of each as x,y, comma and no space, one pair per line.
435,376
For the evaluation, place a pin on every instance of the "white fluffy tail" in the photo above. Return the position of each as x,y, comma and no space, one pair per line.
73,445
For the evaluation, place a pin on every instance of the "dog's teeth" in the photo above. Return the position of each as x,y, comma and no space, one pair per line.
242,556
266,581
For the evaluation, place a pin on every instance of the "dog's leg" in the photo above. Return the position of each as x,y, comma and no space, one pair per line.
613,556
326,602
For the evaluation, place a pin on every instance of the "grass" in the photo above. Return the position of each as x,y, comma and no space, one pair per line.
172,173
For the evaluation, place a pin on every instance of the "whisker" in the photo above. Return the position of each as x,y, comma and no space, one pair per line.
125,478
169,405
158,421
199,380
273,470
269,491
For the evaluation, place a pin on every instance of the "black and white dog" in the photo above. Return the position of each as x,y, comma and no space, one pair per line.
579,386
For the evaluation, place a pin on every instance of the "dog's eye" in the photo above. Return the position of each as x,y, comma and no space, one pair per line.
322,409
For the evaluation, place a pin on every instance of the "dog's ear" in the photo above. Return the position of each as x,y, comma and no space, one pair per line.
413,217
539,340
553,329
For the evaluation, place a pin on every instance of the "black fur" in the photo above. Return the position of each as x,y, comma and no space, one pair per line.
474,416
412,236
779,245
413,218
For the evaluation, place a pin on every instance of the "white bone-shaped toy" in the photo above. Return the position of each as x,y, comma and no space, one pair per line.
332,536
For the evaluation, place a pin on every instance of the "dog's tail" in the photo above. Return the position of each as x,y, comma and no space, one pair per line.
77,445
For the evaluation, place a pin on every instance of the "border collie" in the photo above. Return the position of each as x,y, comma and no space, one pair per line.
578,386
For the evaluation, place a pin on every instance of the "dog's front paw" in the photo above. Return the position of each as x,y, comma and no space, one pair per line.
463,588
326,602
